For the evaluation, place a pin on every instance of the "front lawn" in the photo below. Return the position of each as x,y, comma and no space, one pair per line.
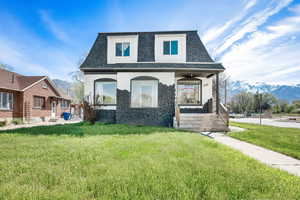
83,161
283,140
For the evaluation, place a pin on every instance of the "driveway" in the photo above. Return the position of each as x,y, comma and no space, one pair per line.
270,122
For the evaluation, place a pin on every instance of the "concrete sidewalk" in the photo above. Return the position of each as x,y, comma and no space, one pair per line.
266,156
59,122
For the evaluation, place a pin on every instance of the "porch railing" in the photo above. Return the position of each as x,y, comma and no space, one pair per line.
223,113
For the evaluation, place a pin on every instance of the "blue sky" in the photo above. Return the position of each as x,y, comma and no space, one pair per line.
256,40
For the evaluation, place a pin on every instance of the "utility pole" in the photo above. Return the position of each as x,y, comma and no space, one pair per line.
225,96
260,107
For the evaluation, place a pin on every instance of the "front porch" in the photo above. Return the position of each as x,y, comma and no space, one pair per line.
197,104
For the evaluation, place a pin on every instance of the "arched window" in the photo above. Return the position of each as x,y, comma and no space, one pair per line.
144,92
105,91
189,91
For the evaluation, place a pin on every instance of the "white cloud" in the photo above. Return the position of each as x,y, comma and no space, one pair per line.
267,55
251,24
52,26
29,54
215,32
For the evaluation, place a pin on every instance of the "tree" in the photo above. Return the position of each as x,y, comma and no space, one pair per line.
268,101
242,102
77,85
78,82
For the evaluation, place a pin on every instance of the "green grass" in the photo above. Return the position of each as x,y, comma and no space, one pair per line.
83,161
283,140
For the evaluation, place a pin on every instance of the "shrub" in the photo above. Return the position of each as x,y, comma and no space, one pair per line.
2,123
17,121
89,113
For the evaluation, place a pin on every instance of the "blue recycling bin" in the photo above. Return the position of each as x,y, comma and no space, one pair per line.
66,115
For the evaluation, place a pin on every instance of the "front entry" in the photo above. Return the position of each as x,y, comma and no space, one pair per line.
53,109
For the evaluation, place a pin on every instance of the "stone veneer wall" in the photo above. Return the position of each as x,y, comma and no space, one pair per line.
106,116
161,116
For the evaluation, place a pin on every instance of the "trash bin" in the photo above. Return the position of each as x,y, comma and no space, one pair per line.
66,115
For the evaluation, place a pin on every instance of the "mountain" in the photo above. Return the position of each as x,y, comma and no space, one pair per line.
283,92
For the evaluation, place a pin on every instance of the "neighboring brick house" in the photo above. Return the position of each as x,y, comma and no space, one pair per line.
30,98
164,78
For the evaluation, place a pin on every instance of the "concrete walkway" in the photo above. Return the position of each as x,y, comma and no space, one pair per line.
59,122
270,122
266,156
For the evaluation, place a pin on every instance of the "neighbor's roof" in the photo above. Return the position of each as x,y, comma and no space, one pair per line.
14,81
196,54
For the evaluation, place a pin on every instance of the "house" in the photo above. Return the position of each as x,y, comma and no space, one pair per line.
164,78
30,98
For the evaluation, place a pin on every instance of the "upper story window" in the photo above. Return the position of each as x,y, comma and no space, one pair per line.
122,49
105,91
6,100
170,47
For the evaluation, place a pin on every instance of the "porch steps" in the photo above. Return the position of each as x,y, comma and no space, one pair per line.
206,122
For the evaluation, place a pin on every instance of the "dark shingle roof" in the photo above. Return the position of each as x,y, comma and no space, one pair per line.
196,53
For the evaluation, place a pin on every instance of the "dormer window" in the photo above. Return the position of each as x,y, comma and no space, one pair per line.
170,47
122,49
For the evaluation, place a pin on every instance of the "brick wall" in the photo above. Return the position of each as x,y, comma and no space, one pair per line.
47,93
17,111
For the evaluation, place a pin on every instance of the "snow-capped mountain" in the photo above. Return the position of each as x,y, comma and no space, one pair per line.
284,92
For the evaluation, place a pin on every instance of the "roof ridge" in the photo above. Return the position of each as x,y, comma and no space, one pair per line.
164,31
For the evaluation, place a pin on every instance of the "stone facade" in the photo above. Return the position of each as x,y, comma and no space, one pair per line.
162,115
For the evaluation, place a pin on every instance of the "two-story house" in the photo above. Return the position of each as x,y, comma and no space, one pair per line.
162,78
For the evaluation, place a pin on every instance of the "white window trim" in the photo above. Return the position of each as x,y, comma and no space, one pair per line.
123,50
9,107
111,49
159,54
154,103
101,91
170,47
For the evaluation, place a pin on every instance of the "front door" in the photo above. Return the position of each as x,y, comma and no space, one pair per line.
53,109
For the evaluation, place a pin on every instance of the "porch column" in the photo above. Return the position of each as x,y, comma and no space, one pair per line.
217,93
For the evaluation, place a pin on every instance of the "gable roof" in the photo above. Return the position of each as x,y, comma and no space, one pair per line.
14,81
196,53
